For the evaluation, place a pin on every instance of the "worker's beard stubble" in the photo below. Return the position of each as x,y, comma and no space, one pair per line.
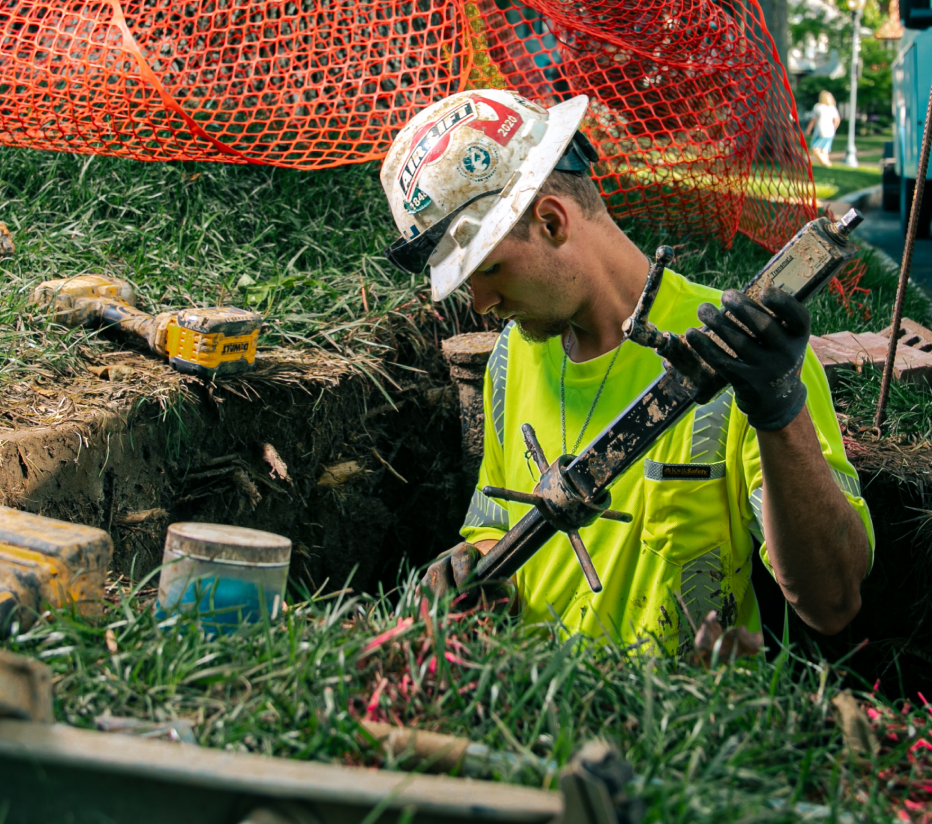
541,323
540,330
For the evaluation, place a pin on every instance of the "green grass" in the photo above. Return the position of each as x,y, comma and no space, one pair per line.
869,146
832,183
304,249
308,244
741,742
909,408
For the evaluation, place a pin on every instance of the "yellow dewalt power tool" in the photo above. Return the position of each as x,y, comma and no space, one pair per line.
45,561
218,340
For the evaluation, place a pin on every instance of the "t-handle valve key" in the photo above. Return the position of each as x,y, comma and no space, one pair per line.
560,504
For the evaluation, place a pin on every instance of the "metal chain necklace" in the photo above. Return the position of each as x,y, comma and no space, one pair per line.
595,400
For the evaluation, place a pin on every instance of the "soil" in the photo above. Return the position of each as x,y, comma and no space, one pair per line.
254,452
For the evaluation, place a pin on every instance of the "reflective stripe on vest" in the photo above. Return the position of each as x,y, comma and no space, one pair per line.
845,483
498,371
701,579
483,511
710,429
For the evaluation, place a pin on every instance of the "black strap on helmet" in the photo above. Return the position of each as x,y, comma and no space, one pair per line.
578,157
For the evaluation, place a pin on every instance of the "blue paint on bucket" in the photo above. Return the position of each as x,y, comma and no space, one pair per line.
227,575
224,601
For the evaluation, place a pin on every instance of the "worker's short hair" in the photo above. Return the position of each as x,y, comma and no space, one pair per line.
579,188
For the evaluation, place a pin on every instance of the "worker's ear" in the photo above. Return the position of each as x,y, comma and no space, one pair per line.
552,219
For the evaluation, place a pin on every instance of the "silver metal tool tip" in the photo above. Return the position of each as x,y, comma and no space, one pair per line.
848,222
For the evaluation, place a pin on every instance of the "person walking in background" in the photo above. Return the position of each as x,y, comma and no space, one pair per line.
825,120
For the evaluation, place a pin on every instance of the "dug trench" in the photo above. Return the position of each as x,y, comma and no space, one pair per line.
363,464
362,471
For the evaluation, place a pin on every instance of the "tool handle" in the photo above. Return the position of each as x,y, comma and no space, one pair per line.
126,319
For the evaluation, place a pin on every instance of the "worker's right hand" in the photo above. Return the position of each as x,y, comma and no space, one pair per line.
454,572
769,342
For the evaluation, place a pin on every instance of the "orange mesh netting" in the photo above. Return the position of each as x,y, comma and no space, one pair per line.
690,110
308,84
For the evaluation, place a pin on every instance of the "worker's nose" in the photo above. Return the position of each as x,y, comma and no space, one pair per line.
484,297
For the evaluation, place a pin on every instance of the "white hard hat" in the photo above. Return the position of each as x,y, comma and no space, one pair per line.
461,173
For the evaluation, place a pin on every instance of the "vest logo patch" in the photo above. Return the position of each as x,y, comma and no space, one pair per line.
656,471
693,471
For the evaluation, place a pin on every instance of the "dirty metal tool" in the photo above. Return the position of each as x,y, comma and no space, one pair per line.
573,491
45,561
218,340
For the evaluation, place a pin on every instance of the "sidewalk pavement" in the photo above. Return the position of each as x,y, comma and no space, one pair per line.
882,230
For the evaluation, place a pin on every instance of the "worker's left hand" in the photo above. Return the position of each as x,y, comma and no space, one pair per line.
454,572
765,375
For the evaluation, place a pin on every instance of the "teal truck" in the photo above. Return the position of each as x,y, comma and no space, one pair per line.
912,77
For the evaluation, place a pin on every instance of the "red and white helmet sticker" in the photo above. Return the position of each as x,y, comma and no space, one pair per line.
503,128
496,121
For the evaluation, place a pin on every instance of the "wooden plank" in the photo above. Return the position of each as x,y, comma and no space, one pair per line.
149,773
25,688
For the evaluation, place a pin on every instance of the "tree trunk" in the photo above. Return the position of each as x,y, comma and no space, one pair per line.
778,24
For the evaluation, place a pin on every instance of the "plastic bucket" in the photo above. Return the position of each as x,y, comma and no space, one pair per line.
230,574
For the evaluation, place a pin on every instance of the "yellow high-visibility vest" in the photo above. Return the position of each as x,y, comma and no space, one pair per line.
692,531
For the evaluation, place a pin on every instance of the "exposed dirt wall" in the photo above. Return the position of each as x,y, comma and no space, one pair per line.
312,449
255,453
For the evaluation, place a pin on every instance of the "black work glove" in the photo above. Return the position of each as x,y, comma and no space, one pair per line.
765,375
454,571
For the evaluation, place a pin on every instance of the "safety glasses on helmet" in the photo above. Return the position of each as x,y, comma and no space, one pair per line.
412,255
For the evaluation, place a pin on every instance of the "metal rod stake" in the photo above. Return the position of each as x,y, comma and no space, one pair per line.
905,267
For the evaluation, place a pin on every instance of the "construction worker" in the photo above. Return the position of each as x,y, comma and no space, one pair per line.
489,187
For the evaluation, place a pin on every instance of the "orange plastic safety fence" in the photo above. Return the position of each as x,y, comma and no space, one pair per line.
691,112
302,83
848,290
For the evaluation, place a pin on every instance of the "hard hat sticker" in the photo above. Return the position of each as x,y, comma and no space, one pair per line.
504,124
478,162
430,142
419,200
